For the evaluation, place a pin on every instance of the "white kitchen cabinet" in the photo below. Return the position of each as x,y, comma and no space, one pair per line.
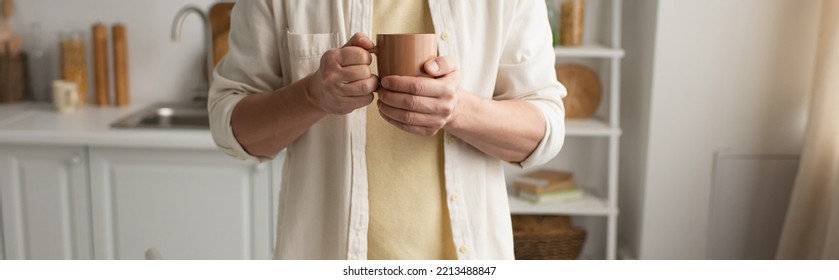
189,204
45,202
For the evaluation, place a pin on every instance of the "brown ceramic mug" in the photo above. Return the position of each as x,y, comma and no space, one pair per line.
404,54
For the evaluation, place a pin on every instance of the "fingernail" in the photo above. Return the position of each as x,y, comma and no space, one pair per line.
384,82
367,40
432,67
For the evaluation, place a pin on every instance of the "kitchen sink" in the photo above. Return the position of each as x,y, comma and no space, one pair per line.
168,116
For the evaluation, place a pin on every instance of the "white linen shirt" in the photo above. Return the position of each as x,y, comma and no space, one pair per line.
505,52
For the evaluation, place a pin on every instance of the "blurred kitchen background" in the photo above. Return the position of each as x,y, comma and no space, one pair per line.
160,68
685,143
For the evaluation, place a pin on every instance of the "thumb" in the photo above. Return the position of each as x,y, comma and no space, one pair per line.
440,66
360,40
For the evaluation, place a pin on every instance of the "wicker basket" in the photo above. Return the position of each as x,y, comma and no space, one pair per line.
546,238
12,78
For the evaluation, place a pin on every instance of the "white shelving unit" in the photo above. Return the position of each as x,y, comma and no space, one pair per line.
591,145
589,50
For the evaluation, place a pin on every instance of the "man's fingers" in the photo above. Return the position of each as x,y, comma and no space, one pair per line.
354,73
440,66
360,101
409,118
419,130
409,102
360,40
354,56
423,86
361,87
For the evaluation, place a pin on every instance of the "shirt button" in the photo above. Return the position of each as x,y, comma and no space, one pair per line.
444,36
464,250
452,140
455,197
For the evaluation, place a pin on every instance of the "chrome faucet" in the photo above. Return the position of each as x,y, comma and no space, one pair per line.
208,39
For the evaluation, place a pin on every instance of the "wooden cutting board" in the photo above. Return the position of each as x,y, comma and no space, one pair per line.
220,23
584,90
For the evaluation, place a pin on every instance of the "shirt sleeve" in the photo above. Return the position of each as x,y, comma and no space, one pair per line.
252,65
526,72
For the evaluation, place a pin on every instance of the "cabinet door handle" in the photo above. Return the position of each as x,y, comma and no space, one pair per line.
76,160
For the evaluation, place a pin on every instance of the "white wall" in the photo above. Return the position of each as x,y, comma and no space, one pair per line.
726,74
159,68
639,27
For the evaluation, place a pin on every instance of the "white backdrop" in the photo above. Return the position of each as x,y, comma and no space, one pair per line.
723,74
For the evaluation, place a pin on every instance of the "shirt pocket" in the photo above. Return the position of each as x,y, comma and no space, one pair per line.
305,51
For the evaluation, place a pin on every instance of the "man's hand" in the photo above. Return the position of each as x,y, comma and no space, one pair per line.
343,82
422,105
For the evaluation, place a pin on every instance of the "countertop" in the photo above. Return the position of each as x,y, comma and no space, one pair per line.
41,124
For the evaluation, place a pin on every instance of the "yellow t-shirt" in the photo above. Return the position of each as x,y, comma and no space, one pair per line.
409,217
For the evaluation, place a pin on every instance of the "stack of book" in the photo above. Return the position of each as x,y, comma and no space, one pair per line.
547,186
